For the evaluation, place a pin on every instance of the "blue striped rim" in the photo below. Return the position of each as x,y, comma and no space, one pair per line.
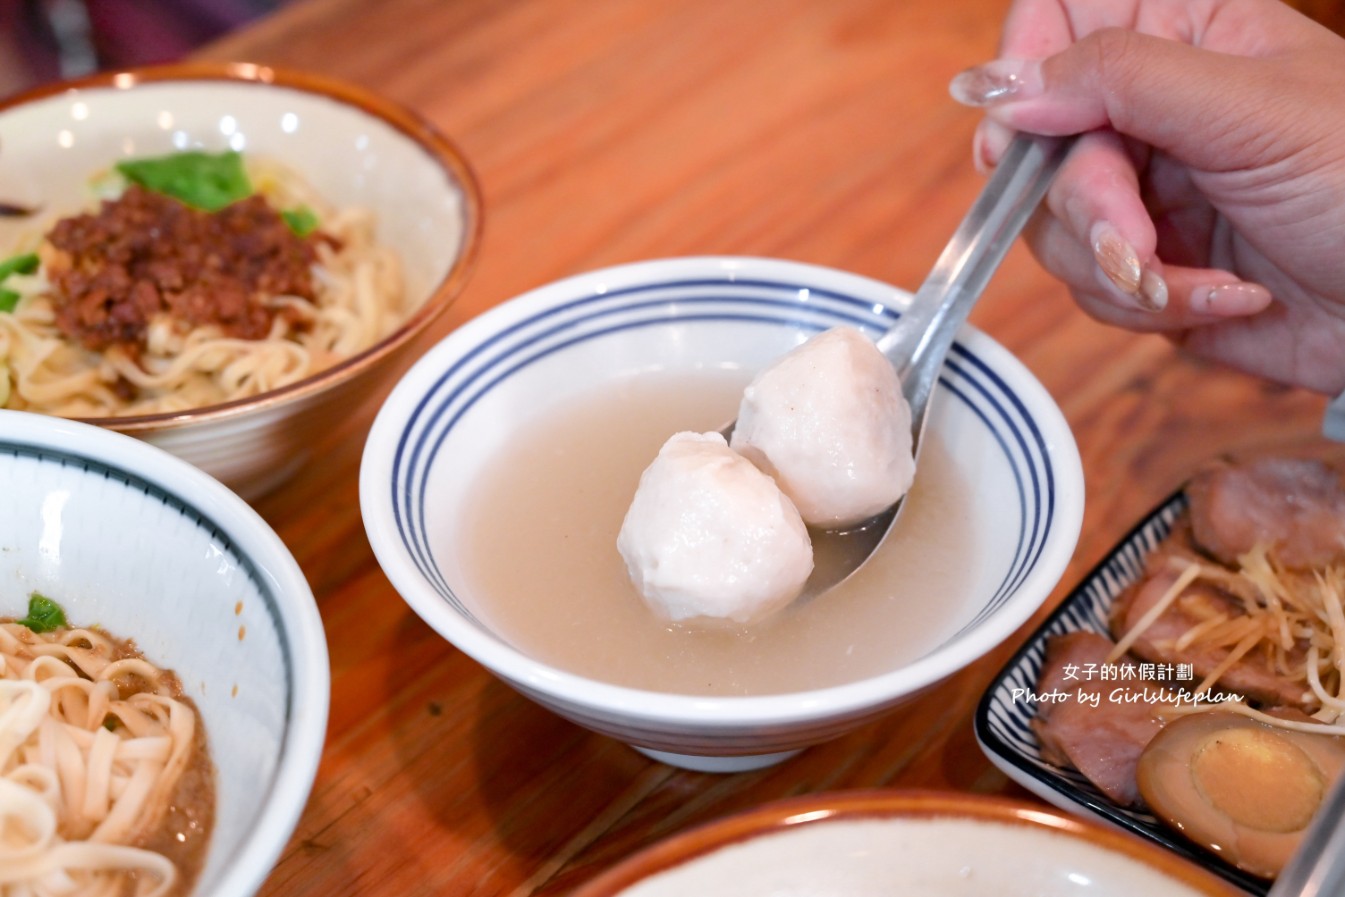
190,513
470,377
1004,726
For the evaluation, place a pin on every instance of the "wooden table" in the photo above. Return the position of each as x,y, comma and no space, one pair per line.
606,131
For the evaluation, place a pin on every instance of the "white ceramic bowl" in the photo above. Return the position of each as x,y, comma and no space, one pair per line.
886,844
462,401
354,148
121,534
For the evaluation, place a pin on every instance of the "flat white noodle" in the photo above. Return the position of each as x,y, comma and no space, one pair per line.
74,792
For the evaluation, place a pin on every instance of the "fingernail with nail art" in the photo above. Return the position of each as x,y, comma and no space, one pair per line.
1153,292
1116,257
997,82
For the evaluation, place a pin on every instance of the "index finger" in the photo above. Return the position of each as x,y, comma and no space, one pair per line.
1035,29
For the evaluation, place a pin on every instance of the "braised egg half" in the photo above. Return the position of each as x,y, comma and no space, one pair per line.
1242,788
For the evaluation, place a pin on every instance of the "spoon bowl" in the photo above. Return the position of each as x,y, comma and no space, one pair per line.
917,344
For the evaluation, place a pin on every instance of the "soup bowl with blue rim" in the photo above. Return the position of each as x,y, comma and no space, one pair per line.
470,397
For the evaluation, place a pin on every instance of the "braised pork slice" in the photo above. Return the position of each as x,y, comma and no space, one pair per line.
1098,726
1295,507
1253,675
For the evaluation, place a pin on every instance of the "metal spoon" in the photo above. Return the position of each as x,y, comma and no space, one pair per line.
918,343
1317,868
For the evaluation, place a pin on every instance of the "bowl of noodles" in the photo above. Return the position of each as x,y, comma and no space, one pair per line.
164,682
221,259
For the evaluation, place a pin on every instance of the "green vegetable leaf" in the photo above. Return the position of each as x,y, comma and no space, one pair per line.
303,221
44,615
9,300
207,181
19,264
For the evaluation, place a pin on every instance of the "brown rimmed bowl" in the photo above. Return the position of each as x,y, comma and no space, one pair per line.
931,844
353,147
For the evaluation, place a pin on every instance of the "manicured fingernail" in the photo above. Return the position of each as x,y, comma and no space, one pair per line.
1117,258
997,82
1231,299
1153,293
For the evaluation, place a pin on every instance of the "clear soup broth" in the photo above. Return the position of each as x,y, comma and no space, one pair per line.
543,570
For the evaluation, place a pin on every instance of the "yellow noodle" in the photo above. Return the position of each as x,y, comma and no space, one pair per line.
359,292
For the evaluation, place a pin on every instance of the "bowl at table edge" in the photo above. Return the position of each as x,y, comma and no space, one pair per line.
928,844
464,398
125,536
353,147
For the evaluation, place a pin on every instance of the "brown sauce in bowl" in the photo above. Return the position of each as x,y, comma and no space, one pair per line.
181,832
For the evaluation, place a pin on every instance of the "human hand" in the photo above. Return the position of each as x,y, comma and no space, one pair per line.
1206,199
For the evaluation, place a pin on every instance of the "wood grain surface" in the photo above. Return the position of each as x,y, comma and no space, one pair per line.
607,131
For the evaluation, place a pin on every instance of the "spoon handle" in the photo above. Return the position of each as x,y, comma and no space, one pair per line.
1317,868
920,339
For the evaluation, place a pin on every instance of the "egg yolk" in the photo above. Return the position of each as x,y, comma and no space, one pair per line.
1258,779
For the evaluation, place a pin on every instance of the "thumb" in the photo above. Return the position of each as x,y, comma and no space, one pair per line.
1198,105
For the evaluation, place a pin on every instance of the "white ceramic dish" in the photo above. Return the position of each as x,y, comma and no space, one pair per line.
884,844
123,535
460,403
354,148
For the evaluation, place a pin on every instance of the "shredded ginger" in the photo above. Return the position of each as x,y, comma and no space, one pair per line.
1297,619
